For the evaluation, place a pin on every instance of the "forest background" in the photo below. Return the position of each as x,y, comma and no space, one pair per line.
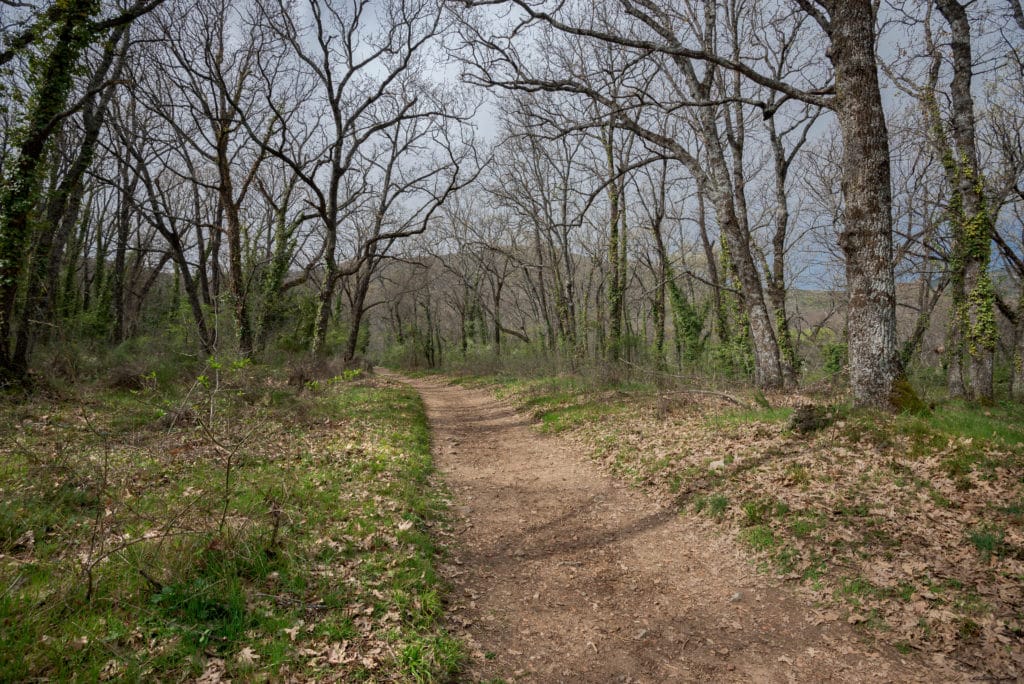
807,198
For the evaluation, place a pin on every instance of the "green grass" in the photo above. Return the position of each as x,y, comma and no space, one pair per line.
988,540
717,505
759,537
814,572
799,474
930,431
803,527
1014,509
132,551
1002,423
566,417
760,511
854,590
431,658
787,559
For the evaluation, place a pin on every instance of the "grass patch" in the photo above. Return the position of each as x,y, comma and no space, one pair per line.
787,559
989,540
1014,510
759,537
717,505
856,589
559,402
798,474
1002,423
805,525
236,526
431,658
564,418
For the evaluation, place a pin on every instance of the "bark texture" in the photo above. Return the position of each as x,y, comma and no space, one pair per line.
975,314
866,240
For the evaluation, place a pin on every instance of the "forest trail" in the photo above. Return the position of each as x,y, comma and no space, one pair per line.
561,573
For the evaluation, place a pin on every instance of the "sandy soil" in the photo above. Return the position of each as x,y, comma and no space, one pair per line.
563,574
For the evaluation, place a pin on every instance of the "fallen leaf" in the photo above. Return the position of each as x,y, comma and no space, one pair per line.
111,670
336,654
26,541
213,673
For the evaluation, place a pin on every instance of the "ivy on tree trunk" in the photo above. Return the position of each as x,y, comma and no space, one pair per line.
51,83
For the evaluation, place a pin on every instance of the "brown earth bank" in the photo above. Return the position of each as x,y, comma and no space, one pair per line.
561,573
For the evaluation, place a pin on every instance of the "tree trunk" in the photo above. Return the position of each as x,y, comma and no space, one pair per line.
66,205
866,239
767,366
721,319
953,355
616,214
1017,379
117,294
497,289
658,303
273,280
357,309
178,254
323,314
726,191
214,259
976,315
776,281
203,271
236,275
53,80
70,303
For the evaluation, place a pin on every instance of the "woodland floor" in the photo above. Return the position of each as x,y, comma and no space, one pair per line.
561,572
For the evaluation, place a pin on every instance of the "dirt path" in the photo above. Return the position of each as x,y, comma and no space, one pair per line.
563,574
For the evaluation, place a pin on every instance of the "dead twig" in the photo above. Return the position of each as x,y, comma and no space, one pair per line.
157,585
14,585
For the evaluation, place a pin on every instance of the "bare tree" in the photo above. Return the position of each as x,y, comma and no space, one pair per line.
205,85
407,182
359,59
656,29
